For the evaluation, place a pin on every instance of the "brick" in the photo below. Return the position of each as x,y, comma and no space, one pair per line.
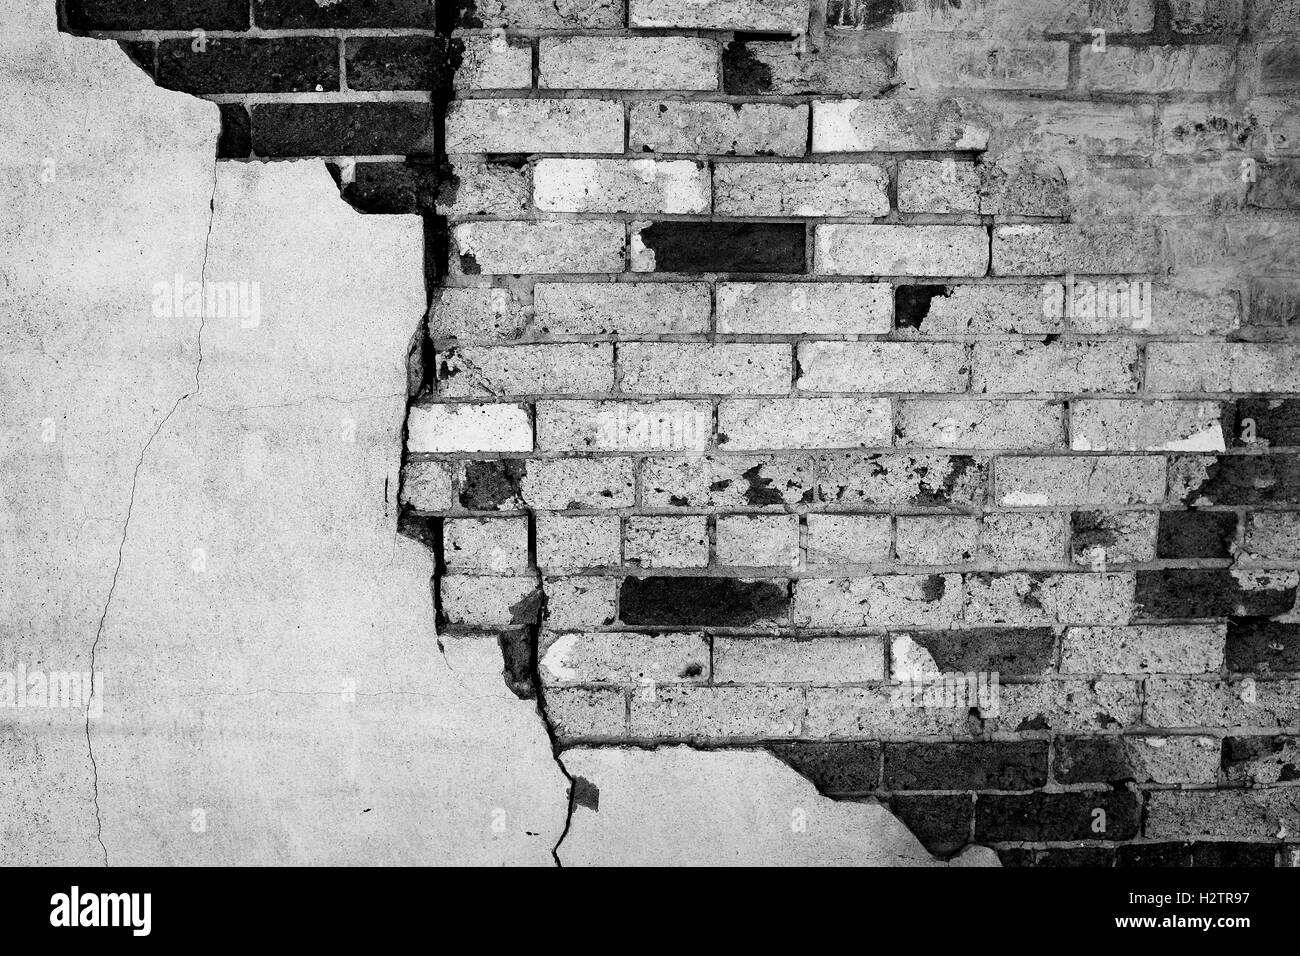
490,601
561,484
724,129
1042,598
288,65
662,542
623,658
398,63
623,426
545,14
800,189
482,314
695,247
1146,426
460,427
957,63
746,423
1234,479
651,368
307,14
902,250
534,126
940,186
958,310
757,541
1093,129
1008,651
514,248
1196,534
1226,853
936,539
1222,367
1082,856
882,367
1056,248
1266,422
151,15
1057,816
491,484
1152,855
389,188
774,16
1195,128
702,602
858,712
343,129
1189,702
847,539
980,425
1002,765
426,486
942,822
686,712
1272,536
1173,311
1180,649
236,138
1114,760
499,545
790,308
1018,367
579,603
494,63
851,767
578,542
1023,536
1261,647
1157,69
1195,17
601,308
1052,16
1102,539
1016,186
1047,482
611,185
627,63
525,370
783,660
1068,705
1212,592
587,712
829,65
922,123
930,600
1261,761
1246,814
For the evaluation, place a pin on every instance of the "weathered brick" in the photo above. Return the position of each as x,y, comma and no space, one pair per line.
1101,539
482,189
800,189
724,129
942,822
1156,69
663,542
493,484
1056,248
1023,536
930,600
702,602
1146,426
1068,705
1234,479
959,63
881,712
388,188
426,486
560,484
623,426
578,603
936,539
499,545
233,65
463,426
847,539
1048,482
831,65
236,139
1272,536
612,185
850,767
1188,702
757,541
1064,126
746,423
627,63
1207,592
930,185
1057,816
1173,311
694,247
1194,17
1008,651
545,14
1278,63
1222,367
525,370
534,126
983,424
1043,598
882,367
494,63
775,16
902,250
343,129
490,601
1196,534
788,308
1261,761
652,368
514,248
817,660
922,123
622,658
397,63
1179,649
587,712
151,15
1114,760
1246,814
602,308
578,542
682,711
307,14
1009,765
1017,367
1266,422
1260,646
1050,16
948,310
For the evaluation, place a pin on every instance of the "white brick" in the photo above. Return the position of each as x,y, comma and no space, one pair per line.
577,542
627,63
791,308
624,426
613,185
847,539
525,370
883,367
468,427
902,250
718,128
560,484
1222,367
923,123
651,541
499,545
1145,426
924,600
800,189
491,64
623,658
1080,482
629,309
516,248
745,423
534,126
660,367
783,660
987,424
759,541
767,16
1180,649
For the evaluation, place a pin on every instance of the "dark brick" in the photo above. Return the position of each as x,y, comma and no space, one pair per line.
143,53
1088,856
868,14
1234,854
703,602
743,74
343,129
1153,854
1245,757
1200,592
912,303
993,765
306,14
1015,856
493,484
399,63
391,187
1196,534
1276,185
940,821
157,14
726,246
1249,480
1274,305
1260,646
1276,422
1280,67
1055,816
288,65
236,140
1092,760
1011,651
851,767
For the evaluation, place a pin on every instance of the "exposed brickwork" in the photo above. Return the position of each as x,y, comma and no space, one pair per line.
785,355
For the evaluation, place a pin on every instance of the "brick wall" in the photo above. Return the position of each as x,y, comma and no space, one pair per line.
908,388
